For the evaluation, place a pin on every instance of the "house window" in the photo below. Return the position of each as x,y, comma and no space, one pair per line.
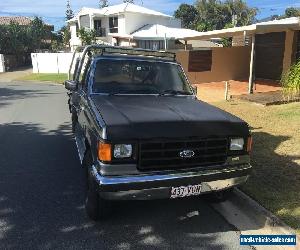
100,32
84,21
153,45
113,24
97,24
200,60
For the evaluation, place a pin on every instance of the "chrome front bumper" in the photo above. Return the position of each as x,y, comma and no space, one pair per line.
158,186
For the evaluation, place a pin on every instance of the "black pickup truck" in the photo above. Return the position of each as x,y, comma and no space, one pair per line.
142,134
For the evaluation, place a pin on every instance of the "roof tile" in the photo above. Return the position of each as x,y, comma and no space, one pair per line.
21,20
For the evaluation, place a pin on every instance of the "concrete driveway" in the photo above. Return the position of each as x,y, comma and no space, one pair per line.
42,196
14,75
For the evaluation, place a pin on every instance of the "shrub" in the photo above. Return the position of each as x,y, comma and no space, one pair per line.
290,82
87,36
17,39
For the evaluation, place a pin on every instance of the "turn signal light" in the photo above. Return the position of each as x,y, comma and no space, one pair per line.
104,151
249,144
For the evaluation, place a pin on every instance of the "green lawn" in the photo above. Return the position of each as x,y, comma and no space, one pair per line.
57,78
275,182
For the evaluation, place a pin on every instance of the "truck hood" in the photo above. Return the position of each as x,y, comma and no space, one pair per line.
148,117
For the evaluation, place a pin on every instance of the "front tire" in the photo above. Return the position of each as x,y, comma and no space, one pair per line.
96,207
74,121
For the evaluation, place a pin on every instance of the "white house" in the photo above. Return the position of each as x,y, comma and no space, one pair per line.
129,25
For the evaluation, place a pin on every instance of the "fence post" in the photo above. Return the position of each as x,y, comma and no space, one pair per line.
226,90
57,63
2,65
36,56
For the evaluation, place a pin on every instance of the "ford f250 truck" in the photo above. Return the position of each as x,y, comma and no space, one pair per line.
142,134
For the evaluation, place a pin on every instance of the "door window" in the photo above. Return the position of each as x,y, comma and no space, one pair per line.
83,72
97,24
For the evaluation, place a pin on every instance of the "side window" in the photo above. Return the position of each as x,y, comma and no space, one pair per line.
73,75
83,72
87,78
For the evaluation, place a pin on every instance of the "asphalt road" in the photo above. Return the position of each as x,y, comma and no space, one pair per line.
42,196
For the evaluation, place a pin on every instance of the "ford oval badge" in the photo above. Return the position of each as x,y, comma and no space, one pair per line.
186,153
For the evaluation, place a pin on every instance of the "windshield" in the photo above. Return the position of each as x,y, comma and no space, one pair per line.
139,77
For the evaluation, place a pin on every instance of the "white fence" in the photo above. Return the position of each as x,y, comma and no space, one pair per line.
2,66
51,62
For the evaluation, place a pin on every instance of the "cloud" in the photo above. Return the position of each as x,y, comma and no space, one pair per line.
54,11
57,7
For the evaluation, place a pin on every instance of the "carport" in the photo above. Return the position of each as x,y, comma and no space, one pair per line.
274,46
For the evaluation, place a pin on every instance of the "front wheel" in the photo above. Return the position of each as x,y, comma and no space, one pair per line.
96,207
74,121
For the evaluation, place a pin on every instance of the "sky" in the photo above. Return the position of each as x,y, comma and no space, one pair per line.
53,11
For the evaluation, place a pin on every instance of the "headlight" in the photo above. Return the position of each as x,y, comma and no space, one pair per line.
237,144
122,151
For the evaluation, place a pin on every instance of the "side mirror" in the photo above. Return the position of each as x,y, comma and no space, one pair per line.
71,85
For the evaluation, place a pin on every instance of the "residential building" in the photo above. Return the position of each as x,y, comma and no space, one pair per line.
264,50
129,25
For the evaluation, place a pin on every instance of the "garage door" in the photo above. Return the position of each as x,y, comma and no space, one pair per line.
269,55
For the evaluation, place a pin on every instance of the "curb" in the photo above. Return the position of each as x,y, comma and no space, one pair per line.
271,219
249,217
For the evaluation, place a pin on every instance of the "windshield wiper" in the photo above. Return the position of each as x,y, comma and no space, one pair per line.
135,92
164,93
174,92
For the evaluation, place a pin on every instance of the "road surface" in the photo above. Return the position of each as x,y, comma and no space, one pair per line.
42,195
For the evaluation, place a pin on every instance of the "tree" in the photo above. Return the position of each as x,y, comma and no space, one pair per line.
57,42
18,39
240,12
87,36
103,3
38,33
14,39
128,1
65,35
216,14
292,12
212,15
227,41
188,15
69,11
